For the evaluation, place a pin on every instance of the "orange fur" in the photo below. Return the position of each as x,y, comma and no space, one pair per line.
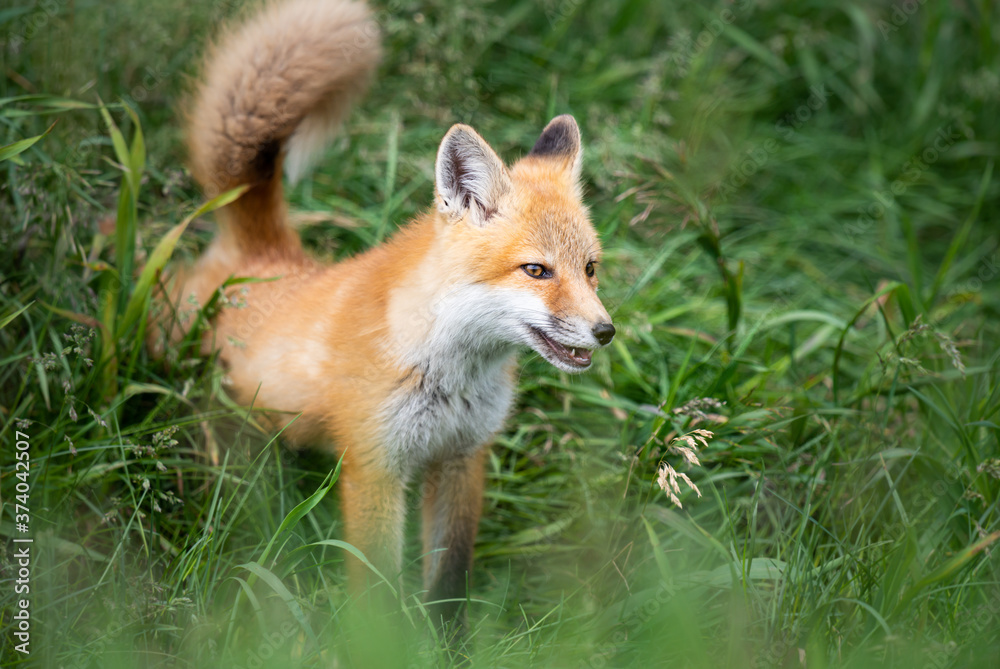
401,358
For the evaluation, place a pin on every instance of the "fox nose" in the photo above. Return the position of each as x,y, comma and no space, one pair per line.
604,333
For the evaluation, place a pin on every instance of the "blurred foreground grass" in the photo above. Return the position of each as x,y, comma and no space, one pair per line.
799,210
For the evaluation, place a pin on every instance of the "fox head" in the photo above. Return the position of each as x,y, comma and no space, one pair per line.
522,240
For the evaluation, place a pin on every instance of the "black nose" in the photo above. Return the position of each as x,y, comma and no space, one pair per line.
604,332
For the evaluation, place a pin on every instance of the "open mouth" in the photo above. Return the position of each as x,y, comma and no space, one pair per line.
577,356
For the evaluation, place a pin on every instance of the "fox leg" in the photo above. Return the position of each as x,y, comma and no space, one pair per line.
374,512
373,505
452,502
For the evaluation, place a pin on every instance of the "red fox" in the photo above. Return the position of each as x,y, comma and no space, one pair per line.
401,359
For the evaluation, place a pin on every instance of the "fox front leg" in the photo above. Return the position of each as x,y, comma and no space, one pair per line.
452,502
373,501
374,510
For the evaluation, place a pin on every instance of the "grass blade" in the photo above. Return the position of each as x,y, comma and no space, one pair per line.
161,254
4,321
15,148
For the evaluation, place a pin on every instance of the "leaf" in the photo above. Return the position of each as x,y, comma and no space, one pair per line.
20,146
725,576
117,139
658,555
137,155
161,254
125,223
301,509
963,233
947,569
4,321
83,319
755,48
535,535
108,304
805,315
843,335
52,102
279,588
133,389
356,552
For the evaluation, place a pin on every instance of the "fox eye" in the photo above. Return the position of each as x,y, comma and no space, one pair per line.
536,271
589,269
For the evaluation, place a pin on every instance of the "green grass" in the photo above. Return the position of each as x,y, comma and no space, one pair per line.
781,235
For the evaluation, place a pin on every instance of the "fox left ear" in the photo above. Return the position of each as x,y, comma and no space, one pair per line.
561,141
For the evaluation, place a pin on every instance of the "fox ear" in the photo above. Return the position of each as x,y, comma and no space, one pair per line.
561,141
470,176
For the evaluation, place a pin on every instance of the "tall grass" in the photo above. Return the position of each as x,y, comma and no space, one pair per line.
798,207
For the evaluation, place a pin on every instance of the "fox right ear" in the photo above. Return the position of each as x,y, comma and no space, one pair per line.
470,177
560,140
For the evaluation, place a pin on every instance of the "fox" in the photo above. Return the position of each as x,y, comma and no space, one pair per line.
401,361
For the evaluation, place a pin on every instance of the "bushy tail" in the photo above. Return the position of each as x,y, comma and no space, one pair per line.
274,89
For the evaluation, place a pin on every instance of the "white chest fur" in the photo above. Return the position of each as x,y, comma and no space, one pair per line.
442,416
460,390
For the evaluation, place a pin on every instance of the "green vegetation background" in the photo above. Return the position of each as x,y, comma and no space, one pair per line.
799,209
